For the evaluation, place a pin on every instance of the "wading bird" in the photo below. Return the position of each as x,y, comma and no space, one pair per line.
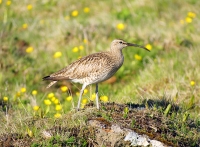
94,68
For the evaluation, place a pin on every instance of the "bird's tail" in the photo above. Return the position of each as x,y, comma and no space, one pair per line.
49,78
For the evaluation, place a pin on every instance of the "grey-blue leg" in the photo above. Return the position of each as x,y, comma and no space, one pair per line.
97,96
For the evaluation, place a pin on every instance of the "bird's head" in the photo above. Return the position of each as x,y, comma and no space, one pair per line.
120,44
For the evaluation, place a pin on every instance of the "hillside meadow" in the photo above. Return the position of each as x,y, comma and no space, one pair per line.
38,38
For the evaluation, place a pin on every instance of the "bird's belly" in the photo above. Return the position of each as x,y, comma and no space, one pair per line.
81,81
103,76
91,80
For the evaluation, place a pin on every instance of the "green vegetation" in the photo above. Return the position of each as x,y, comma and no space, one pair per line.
41,37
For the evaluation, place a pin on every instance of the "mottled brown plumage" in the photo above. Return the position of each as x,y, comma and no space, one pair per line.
93,68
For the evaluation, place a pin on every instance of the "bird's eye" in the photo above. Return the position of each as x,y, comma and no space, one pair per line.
120,42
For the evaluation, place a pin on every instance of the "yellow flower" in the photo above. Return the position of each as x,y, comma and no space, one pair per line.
85,41
25,26
5,98
0,1
82,106
182,21
92,98
74,13
58,107
86,10
47,102
149,47
63,88
8,3
67,17
29,49
138,57
57,115
34,92
53,99
191,14
188,19
84,101
104,98
18,94
23,90
36,108
29,7
77,93
75,49
50,95
57,54
69,98
120,26
81,47
56,101
85,91
192,83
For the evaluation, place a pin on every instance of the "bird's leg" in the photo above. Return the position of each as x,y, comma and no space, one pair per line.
97,96
81,93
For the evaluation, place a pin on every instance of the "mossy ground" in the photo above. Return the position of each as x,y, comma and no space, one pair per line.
73,128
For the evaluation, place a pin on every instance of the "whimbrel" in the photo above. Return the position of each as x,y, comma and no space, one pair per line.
93,68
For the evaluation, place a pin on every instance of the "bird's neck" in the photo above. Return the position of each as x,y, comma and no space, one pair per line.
117,55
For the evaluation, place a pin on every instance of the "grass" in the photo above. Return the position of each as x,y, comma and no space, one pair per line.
30,37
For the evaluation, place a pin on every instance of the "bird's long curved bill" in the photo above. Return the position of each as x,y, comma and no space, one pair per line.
131,44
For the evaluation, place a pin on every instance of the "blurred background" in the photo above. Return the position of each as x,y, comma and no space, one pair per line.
38,38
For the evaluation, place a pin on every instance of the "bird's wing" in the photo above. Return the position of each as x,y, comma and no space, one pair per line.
50,84
84,67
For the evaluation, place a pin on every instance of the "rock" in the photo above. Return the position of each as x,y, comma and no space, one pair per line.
112,135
